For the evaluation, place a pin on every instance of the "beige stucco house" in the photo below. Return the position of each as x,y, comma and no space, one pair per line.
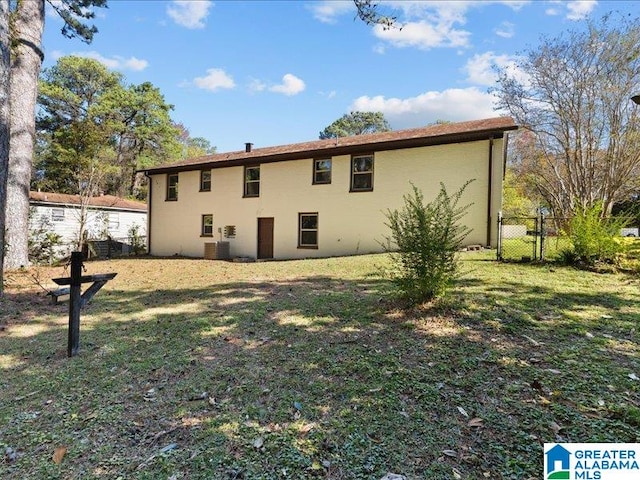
325,197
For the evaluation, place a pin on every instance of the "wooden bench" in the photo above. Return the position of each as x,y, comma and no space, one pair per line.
56,294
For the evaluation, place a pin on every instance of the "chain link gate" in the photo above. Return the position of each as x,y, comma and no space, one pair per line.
521,238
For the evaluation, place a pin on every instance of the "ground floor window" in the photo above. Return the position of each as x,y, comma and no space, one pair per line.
207,226
308,230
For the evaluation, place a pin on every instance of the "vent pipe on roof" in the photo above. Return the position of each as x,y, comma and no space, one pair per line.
247,147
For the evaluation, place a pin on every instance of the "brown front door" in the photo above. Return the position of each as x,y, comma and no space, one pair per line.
265,238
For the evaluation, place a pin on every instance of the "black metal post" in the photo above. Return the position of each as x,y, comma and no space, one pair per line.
75,304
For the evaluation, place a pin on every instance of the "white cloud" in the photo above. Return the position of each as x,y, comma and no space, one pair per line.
256,85
380,49
505,30
291,85
575,9
453,105
215,80
580,9
481,68
115,62
423,35
328,11
189,13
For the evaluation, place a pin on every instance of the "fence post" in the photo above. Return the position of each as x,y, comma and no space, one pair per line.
542,235
499,246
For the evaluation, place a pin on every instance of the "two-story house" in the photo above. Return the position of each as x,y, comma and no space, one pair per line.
325,197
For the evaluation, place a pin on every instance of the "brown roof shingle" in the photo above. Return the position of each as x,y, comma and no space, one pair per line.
415,137
103,201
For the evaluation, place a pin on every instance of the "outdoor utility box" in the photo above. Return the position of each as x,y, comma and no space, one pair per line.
216,251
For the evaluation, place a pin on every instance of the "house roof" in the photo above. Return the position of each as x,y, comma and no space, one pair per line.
416,137
108,202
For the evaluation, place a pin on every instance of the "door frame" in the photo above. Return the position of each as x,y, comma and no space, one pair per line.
269,224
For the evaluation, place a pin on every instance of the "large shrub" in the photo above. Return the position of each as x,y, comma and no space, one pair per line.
423,243
595,238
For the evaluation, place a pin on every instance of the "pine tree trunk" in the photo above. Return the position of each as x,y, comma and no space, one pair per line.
5,69
25,68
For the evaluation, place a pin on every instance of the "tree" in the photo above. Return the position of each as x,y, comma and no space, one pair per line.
27,22
193,146
71,124
574,99
356,123
5,71
87,114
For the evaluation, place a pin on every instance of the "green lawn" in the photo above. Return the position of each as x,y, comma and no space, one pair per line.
194,369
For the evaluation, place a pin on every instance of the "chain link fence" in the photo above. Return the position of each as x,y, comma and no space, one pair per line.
541,238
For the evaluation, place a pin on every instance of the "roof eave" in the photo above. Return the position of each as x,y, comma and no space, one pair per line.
340,150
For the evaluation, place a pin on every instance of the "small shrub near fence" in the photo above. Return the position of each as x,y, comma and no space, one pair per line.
545,238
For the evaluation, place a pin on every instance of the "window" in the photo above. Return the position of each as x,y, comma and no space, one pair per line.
207,226
205,180
322,171
307,230
362,173
114,221
230,231
172,186
57,214
252,181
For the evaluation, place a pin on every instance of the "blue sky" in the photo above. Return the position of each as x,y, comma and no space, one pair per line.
274,73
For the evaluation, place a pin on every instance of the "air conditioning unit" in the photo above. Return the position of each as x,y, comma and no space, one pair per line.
216,251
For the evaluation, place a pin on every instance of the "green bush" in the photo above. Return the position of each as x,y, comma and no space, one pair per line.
595,238
424,242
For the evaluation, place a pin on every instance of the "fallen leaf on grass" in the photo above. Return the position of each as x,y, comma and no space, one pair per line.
258,443
463,411
555,427
633,376
450,453
456,474
307,428
476,422
59,454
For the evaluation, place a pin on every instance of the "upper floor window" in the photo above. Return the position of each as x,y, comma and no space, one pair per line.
322,171
252,181
205,180
172,186
362,173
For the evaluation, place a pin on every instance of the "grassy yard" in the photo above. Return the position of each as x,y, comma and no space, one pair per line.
193,369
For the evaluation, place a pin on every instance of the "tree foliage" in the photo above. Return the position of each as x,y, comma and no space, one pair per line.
573,96
91,123
356,123
424,241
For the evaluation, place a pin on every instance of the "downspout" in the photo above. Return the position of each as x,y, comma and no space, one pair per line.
489,193
149,197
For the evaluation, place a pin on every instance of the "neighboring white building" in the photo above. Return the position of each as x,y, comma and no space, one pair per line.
106,217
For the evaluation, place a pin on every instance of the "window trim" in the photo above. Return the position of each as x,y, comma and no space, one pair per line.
202,172
352,173
300,230
314,180
59,215
245,182
168,197
202,225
